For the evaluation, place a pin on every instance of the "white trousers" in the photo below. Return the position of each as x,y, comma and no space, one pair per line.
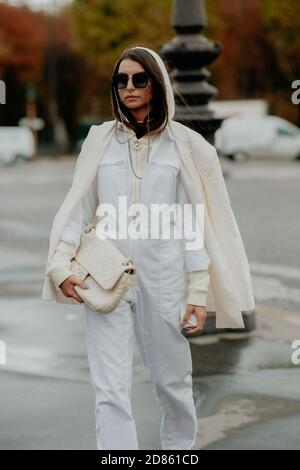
151,310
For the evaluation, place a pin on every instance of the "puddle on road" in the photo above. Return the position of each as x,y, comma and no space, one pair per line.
239,355
242,380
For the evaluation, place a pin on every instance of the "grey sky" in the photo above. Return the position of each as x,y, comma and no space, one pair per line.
46,5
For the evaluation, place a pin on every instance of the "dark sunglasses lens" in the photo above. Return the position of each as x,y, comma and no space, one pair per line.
140,80
120,81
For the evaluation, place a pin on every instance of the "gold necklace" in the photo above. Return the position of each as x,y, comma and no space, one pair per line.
139,177
148,119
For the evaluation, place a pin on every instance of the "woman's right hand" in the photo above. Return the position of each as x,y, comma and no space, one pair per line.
67,287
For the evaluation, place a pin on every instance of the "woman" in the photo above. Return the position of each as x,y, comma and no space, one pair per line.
140,161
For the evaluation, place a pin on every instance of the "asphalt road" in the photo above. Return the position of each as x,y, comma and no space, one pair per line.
246,386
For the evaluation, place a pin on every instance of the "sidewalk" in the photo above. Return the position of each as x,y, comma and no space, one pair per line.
246,389
46,397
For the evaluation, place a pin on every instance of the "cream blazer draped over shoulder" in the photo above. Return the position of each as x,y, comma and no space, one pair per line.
230,291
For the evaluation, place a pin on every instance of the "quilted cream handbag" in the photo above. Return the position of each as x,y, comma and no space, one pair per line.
107,272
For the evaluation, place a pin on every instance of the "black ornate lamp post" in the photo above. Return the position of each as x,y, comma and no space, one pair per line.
187,54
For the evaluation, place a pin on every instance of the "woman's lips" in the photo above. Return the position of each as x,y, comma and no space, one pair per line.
131,97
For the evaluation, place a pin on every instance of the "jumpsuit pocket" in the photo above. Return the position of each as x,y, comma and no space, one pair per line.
160,184
112,182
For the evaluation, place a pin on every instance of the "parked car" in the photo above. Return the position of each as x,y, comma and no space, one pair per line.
260,137
15,143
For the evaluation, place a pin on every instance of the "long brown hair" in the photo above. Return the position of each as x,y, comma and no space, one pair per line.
159,113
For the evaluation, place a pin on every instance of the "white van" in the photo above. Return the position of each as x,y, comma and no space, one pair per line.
16,142
259,137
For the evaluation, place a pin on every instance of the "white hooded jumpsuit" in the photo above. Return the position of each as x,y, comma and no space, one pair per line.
151,310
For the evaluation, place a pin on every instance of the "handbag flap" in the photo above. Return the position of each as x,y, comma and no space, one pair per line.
102,259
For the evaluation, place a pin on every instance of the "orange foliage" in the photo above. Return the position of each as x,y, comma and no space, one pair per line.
23,36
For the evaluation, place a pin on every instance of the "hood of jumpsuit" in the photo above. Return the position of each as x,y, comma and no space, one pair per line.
169,90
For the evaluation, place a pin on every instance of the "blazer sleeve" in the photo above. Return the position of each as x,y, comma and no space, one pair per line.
198,284
60,264
82,214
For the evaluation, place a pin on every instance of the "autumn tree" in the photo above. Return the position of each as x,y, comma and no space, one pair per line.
23,40
260,56
103,28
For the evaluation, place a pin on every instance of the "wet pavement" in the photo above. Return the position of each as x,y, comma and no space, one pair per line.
246,387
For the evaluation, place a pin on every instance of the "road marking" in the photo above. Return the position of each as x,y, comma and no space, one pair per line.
268,288
268,282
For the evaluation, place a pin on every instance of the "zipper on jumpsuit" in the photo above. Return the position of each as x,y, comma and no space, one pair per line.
130,175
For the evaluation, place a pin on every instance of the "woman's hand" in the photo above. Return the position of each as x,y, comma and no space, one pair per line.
67,287
200,314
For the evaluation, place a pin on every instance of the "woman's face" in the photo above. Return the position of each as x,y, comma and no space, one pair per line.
142,95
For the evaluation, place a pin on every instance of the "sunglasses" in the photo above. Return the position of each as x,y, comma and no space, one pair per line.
139,80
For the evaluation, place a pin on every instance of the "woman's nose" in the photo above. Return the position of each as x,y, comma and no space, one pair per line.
130,84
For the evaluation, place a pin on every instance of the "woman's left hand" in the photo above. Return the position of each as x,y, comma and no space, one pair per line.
200,314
